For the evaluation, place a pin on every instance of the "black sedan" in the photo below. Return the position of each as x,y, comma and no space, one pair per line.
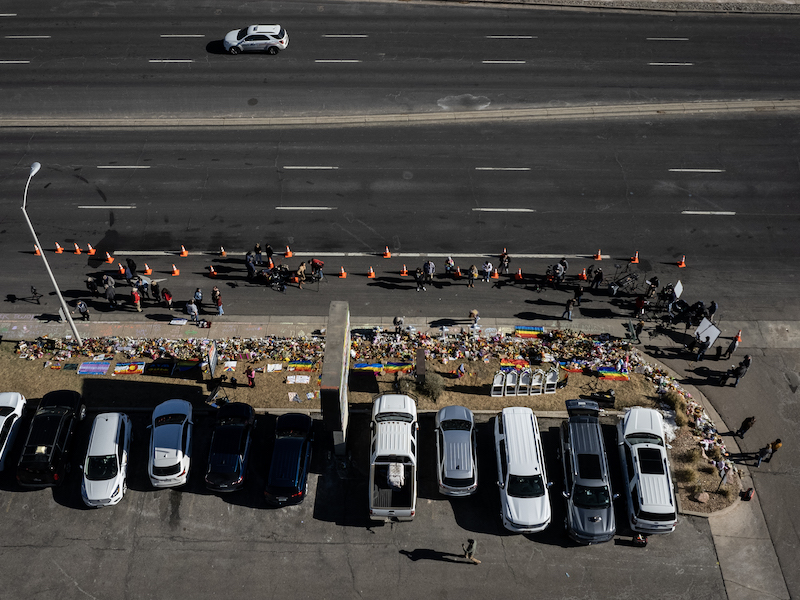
44,461
230,447
287,482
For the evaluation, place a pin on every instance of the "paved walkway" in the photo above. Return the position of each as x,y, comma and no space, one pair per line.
747,558
710,6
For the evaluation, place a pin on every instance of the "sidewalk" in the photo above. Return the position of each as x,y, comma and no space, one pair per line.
747,559
710,6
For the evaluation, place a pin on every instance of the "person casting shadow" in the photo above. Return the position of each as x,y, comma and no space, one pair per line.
429,554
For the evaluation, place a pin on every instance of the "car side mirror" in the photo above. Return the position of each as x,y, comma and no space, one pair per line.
500,485
80,467
615,496
565,494
549,484
149,426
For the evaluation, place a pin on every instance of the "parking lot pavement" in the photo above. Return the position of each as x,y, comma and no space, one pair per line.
194,544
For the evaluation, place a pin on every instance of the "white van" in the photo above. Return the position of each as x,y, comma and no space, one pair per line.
650,494
524,495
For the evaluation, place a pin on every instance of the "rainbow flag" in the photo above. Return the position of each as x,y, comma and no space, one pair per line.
393,367
300,365
516,363
528,331
612,373
375,367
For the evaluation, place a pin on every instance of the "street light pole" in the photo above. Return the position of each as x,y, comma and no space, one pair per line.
35,169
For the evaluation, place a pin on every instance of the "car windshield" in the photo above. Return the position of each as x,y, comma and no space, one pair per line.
5,411
591,497
525,486
394,416
644,438
100,468
167,471
173,419
455,424
241,34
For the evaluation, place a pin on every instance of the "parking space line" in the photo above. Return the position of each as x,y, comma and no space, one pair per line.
670,64
344,35
518,210
27,37
724,213
171,60
115,207
502,168
305,208
504,62
308,168
123,166
697,170
332,60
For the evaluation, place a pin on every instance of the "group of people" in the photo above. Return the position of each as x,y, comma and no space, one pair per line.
765,453
280,274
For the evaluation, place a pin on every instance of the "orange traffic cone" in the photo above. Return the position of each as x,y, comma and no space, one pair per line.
270,265
682,261
175,271
184,252
222,252
211,271
109,258
598,256
404,272
342,274
91,251
59,249
635,258
147,269
458,272
121,269
495,274
288,253
582,275
371,274
36,251
77,248
518,276
739,336
386,253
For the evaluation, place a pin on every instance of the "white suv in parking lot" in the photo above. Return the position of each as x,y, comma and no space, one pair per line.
257,38
524,495
105,469
170,444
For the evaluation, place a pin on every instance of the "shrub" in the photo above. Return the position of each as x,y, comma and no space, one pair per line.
708,469
676,402
406,385
681,419
726,491
433,385
714,453
686,475
692,455
695,489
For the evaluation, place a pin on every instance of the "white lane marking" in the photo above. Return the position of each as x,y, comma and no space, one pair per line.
697,170
171,60
519,210
344,35
123,166
504,62
27,37
8,14
117,207
182,35
512,37
670,64
323,60
502,168
668,39
308,168
725,213
14,62
305,208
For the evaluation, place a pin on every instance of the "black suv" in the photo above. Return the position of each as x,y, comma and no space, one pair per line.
44,456
291,459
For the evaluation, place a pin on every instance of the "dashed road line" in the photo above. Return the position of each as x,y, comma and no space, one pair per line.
515,210
512,37
14,62
502,168
182,35
171,60
123,166
335,60
27,37
667,39
308,168
344,35
114,207
697,170
305,208
504,62
670,64
724,213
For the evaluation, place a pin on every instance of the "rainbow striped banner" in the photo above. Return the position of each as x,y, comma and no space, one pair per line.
376,367
516,363
393,367
612,373
300,365
528,331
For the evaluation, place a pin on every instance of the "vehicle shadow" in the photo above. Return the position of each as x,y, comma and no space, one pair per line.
215,47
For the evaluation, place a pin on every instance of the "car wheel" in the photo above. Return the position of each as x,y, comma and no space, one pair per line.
82,413
272,50
234,50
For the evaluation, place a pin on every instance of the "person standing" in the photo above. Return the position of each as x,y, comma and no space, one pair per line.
505,261
449,266
111,296
218,303
257,253
108,281
597,280
712,309
429,268
731,348
487,270
469,551
578,295
198,299
131,266
475,316
214,295
251,376
419,277
83,309
191,308
472,275
301,274
167,295
745,426
704,345
91,285
568,309
155,291
269,252
136,299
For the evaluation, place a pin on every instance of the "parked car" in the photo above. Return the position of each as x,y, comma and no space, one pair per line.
257,38
524,489
287,482
456,451
587,483
105,470
170,444
12,404
650,494
44,460
230,447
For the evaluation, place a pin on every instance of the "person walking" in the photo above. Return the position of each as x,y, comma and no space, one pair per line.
419,277
131,266
578,295
475,316
91,285
257,254
745,426
774,447
269,252
111,296
568,309
712,309
155,291
128,275
731,348
739,372
701,350
218,304
487,270
251,376
472,275
764,453
198,299
301,275
83,309
108,281
597,280
469,551
136,299
167,295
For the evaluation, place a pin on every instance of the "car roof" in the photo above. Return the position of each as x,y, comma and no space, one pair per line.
235,410
103,441
284,466
394,403
172,407
460,413
522,455
61,399
293,422
643,420
273,29
12,399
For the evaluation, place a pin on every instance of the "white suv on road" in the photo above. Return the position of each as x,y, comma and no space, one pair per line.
257,38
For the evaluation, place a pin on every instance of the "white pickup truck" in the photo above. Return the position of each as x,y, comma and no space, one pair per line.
393,458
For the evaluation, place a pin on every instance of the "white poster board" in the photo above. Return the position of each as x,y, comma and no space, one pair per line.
678,288
707,329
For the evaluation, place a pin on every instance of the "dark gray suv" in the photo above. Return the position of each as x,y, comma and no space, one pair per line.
587,486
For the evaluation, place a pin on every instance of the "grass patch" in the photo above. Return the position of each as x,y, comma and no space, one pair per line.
686,475
692,455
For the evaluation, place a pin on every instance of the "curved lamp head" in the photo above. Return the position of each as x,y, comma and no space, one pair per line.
35,168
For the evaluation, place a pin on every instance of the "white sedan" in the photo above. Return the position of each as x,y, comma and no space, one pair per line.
105,469
170,444
11,406
257,38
